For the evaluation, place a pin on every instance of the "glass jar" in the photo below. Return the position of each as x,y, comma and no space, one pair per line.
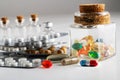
93,42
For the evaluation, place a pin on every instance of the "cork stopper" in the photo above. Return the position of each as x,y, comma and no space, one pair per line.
34,16
20,18
4,20
89,8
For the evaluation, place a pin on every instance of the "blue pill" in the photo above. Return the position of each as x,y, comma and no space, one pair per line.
83,63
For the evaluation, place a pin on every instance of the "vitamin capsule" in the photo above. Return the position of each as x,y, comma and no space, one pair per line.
69,61
41,50
48,52
32,51
87,63
60,51
57,58
64,48
52,48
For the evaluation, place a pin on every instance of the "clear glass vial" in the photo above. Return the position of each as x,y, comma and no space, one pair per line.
6,36
19,29
93,42
33,29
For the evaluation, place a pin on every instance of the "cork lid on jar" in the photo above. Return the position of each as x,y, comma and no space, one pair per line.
20,18
34,17
89,8
4,20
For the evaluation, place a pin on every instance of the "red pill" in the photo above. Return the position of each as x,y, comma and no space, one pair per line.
46,64
93,63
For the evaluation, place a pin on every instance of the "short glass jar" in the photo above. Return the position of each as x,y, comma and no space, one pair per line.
93,42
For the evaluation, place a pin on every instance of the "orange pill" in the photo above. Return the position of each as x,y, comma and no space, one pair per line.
83,51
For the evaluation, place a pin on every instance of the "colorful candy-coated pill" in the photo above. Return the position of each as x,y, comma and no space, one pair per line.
46,64
93,55
83,63
93,63
83,51
77,46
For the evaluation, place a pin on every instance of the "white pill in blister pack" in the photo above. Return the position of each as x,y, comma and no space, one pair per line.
1,63
36,62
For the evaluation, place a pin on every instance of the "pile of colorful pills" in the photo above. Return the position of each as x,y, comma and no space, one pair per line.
89,48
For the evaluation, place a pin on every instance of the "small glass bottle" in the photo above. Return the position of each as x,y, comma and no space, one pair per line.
20,29
6,36
33,29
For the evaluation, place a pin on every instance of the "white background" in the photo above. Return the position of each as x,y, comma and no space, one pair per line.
61,14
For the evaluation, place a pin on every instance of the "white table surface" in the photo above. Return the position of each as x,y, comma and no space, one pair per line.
107,70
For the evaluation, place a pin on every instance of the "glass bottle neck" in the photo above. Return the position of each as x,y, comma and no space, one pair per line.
20,24
4,25
34,23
